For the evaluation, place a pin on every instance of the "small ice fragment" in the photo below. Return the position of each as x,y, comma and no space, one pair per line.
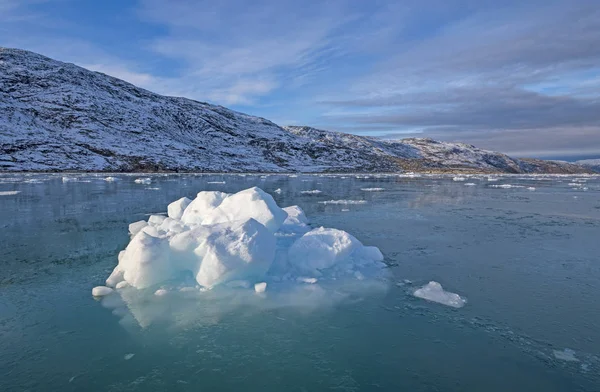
469,184
458,178
433,291
307,280
161,292
345,210
187,289
565,355
72,379
506,186
216,182
110,179
372,189
260,287
9,193
128,356
343,202
145,181
278,190
121,285
101,291
312,192
531,188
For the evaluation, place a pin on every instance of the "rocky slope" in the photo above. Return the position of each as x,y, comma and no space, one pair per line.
56,116
592,164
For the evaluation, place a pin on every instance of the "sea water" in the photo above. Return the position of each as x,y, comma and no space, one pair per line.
523,251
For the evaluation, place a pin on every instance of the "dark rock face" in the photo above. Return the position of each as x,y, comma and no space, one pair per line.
56,116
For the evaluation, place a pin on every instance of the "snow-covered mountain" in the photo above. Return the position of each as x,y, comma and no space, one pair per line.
58,116
593,164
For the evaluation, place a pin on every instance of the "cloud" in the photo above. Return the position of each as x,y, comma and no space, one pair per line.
477,71
239,51
530,69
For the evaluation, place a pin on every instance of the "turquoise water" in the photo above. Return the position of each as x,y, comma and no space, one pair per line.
526,260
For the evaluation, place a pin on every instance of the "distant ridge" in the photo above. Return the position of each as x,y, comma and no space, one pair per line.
56,116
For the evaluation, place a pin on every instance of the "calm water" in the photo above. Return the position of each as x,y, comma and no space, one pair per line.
527,261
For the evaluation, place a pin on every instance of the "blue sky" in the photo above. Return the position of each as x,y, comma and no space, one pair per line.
521,77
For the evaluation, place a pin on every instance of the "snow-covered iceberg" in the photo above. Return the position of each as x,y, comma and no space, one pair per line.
237,240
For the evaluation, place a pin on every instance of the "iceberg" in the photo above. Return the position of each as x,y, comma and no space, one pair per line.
434,292
237,241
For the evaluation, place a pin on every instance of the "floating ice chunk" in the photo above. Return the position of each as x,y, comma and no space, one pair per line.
216,182
345,210
492,179
531,188
9,193
434,292
260,287
127,357
278,190
372,189
110,179
144,181
204,203
295,216
68,179
238,250
312,192
343,202
321,248
506,186
470,184
565,355
458,178
176,209
250,203
101,291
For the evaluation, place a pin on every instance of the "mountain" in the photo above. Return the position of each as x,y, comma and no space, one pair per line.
592,164
56,116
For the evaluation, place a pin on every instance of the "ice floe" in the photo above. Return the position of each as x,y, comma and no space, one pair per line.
9,193
144,181
434,292
311,192
372,189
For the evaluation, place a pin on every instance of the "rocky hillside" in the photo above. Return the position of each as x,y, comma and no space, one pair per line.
592,164
56,116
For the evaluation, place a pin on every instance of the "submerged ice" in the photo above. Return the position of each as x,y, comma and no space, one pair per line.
222,239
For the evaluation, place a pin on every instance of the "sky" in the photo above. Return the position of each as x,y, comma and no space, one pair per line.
521,77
